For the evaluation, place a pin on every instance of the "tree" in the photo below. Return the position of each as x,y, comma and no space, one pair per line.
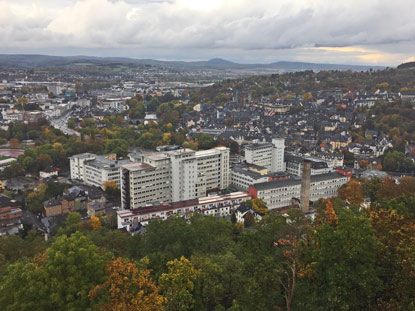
258,205
233,218
396,260
307,96
73,267
221,280
71,123
72,219
352,192
24,288
363,164
95,223
127,289
111,189
58,280
205,141
177,285
290,244
43,161
14,143
249,220
343,266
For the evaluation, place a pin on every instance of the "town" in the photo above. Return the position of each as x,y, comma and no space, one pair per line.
207,174
257,145
193,155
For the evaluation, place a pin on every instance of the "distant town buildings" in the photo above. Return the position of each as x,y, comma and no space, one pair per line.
10,216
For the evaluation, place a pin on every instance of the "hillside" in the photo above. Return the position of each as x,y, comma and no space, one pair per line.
29,61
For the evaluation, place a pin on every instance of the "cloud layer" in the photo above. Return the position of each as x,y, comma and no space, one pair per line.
369,31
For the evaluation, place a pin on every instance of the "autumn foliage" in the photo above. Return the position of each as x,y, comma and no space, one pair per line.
95,223
127,289
330,214
352,192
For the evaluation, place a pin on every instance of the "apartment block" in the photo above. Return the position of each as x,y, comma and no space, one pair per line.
173,176
294,165
146,182
269,155
217,205
278,193
95,170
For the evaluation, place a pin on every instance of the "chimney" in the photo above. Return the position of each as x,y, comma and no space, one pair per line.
305,186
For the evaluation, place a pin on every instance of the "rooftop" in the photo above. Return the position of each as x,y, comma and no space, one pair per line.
136,166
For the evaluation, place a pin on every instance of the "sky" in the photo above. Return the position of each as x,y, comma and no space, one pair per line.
375,32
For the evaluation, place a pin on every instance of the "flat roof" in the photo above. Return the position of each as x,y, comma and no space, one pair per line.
137,166
156,156
292,182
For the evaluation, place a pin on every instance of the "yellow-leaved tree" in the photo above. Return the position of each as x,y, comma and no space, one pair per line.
127,289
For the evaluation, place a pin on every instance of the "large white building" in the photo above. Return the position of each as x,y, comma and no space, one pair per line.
174,176
269,155
294,165
95,170
243,176
278,193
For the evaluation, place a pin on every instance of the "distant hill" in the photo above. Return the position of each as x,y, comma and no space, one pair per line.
220,61
29,61
407,65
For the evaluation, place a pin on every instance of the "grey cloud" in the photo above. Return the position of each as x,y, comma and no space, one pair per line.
244,25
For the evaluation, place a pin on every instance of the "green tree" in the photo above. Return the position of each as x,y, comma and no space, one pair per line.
25,288
396,260
60,279
249,220
344,274
220,282
71,123
178,284
73,267
204,141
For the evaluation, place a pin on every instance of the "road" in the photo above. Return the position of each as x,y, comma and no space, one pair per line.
61,124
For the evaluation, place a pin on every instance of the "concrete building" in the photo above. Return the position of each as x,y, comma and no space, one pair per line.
33,116
213,164
269,155
243,175
145,182
278,194
218,205
168,176
95,170
294,165
174,176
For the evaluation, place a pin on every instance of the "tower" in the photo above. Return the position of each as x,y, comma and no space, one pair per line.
305,186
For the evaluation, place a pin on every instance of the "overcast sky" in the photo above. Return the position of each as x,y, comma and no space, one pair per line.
247,31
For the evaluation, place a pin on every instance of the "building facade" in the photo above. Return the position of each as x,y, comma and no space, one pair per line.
294,165
278,194
95,170
173,176
269,155
217,205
